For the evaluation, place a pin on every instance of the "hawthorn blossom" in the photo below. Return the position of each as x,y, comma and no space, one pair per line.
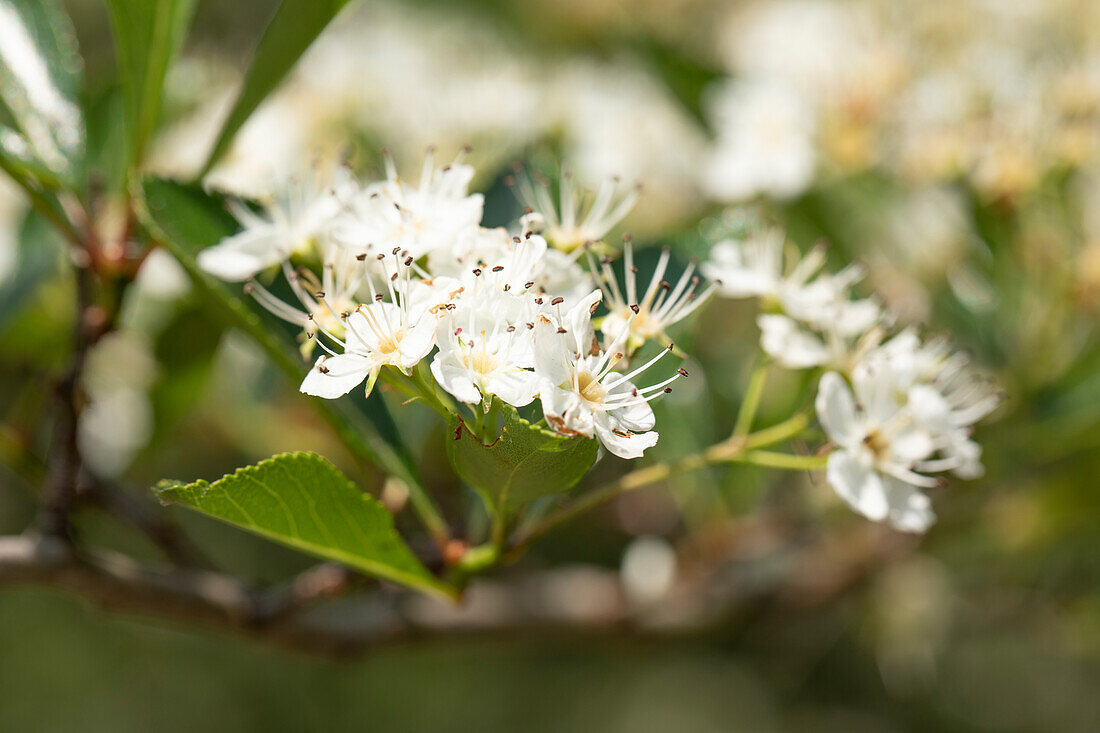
765,142
660,306
325,301
945,396
579,218
836,336
876,465
759,266
418,220
397,333
581,394
483,352
291,223
813,321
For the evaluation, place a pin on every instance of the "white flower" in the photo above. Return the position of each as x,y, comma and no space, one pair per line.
581,395
291,223
819,325
648,316
574,224
485,348
765,142
836,336
945,396
755,266
874,467
325,302
418,220
398,333
472,248
561,276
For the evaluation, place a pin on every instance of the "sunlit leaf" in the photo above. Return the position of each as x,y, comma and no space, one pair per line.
523,463
302,500
40,79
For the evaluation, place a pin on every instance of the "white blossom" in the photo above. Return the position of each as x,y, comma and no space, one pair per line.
579,217
647,315
879,449
765,142
397,333
482,351
581,394
290,223
417,219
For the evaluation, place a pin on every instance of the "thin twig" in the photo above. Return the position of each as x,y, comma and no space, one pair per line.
806,577
147,518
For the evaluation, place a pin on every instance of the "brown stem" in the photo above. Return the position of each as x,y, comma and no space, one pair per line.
63,464
147,518
804,575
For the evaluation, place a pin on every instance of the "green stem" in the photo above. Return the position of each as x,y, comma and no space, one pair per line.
778,433
734,450
751,402
783,460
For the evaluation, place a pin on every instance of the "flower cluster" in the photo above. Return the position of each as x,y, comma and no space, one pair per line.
408,275
399,281
895,409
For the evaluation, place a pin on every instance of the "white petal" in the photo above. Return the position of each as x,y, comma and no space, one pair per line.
578,321
855,481
627,445
553,353
455,380
929,408
515,388
637,417
345,373
856,317
416,344
566,412
241,256
790,345
910,446
910,509
836,410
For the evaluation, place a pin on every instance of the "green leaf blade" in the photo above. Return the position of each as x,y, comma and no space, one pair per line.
40,83
292,29
148,35
526,462
185,219
303,501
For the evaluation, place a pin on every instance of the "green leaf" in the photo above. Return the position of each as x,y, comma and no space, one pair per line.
302,500
292,29
40,79
185,219
524,463
148,35
20,161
